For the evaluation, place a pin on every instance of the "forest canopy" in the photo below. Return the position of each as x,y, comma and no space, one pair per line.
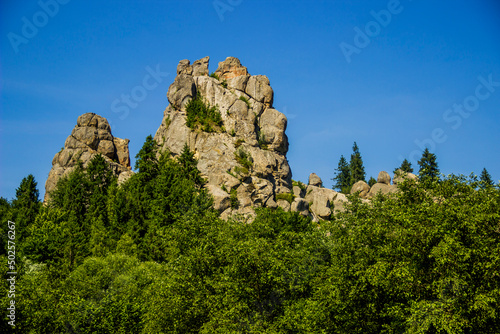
153,256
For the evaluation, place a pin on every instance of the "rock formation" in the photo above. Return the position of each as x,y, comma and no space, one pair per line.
91,136
251,129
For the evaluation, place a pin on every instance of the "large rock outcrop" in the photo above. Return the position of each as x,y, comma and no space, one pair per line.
91,136
252,131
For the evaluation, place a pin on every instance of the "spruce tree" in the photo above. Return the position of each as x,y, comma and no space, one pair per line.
342,177
356,167
371,181
405,167
147,163
26,205
486,180
189,166
428,166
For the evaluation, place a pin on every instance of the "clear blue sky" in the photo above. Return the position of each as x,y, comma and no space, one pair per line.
394,87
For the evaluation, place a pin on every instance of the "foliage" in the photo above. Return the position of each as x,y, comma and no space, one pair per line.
153,256
289,197
189,169
299,184
429,170
356,168
214,75
486,180
201,116
371,181
342,177
244,99
261,139
405,167
244,158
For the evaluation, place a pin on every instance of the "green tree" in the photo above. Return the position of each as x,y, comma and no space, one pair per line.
147,161
405,167
357,170
189,166
25,206
485,178
428,166
342,179
371,181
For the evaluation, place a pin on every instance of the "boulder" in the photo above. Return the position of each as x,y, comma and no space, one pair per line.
301,206
320,200
382,188
221,198
230,68
362,187
315,180
400,176
181,91
384,177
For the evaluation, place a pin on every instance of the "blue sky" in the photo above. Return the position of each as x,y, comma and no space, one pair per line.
398,85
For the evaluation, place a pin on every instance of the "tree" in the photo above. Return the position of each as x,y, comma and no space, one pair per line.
357,170
428,166
485,178
371,181
146,162
405,167
189,166
342,178
25,206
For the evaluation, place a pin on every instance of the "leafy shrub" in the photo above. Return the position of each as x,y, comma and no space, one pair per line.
235,203
244,158
244,99
289,197
214,75
299,184
201,116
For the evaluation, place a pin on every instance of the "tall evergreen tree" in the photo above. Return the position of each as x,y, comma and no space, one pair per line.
485,178
428,166
342,177
356,167
371,181
147,163
405,167
189,166
26,205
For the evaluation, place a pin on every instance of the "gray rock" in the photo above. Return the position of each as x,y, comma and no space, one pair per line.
181,91
301,206
259,89
91,136
320,200
381,188
231,68
400,176
315,180
384,177
362,187
200,67
221,198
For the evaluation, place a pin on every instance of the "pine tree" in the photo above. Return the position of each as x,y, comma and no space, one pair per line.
342,177
26,205
371,181
428,166
405,167
486,180
147,163
356,167
189,166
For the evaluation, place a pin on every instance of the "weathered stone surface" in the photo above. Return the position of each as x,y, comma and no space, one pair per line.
284,204
298,192
301,206
320,200
400,176
384,177
315,180
382,188
243,119
362,187
91,136
200,67
181,91
221,198
339,202
230,68
259,89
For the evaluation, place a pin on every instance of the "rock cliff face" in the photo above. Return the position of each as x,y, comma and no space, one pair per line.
91,135
247,159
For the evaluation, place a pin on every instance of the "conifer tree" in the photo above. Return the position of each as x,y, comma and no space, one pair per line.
371,181
428,166
26,205
356,167
405,167
189,166
342,177
486,180
147,163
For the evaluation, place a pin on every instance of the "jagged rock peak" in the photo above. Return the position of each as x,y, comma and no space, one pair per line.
91,136
246,156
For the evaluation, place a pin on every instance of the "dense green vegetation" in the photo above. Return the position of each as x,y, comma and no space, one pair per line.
152,256
201,116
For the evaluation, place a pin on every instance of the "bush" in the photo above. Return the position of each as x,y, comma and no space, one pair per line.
244,99
289,197
244,158
201,116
